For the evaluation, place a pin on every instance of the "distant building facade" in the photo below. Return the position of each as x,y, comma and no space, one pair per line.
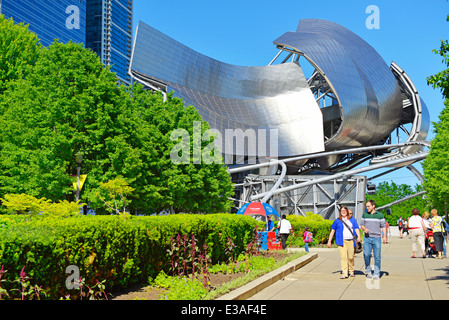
109,33
105,26
61,19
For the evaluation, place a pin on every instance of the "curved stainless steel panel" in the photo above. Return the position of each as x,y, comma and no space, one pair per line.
425,122
367,99
414,112
235,97
367,90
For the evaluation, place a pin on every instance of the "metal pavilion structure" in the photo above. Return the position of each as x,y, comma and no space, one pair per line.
350,109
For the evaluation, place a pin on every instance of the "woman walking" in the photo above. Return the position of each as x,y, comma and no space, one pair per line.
417,231
437,226
345,228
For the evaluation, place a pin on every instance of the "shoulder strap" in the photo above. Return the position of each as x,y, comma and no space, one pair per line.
348,229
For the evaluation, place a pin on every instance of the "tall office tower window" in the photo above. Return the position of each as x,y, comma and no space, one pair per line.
109,34
61,19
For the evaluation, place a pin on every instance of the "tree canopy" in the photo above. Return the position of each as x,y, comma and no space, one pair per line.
68,102
19,51
436,166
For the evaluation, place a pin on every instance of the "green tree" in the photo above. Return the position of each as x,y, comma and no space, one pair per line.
63,106
387,193
19,51
436,165
70,103
190,187
116,193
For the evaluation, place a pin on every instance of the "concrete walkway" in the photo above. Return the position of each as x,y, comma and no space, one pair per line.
402,278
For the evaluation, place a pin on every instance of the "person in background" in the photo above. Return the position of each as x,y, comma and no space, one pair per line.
285,228
270,224
406,228
436,223
425,218
387,229
306,239
417,231
446,227
400,224
351,214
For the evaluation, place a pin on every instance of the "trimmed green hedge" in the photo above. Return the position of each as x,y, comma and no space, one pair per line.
122,252
319,227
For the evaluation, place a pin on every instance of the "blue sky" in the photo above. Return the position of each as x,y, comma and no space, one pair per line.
242,33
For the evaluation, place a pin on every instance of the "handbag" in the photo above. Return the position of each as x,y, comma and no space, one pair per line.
358,248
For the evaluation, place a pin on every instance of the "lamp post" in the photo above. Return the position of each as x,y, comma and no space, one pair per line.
78,160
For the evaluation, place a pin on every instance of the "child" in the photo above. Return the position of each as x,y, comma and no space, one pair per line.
307,238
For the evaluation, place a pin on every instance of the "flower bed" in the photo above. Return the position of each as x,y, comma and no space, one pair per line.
222,279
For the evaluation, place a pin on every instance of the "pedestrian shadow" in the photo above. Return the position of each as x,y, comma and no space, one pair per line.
444,277
362,273
381,273
384,273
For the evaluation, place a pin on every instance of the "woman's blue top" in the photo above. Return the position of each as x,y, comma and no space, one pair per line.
338,226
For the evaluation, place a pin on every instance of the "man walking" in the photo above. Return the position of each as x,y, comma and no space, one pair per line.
374,225
285,228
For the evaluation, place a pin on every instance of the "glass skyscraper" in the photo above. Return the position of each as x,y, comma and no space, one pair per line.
61,19
109,33
105,26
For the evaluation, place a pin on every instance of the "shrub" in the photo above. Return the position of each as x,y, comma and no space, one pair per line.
28,205
319,227
110,248
180,288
